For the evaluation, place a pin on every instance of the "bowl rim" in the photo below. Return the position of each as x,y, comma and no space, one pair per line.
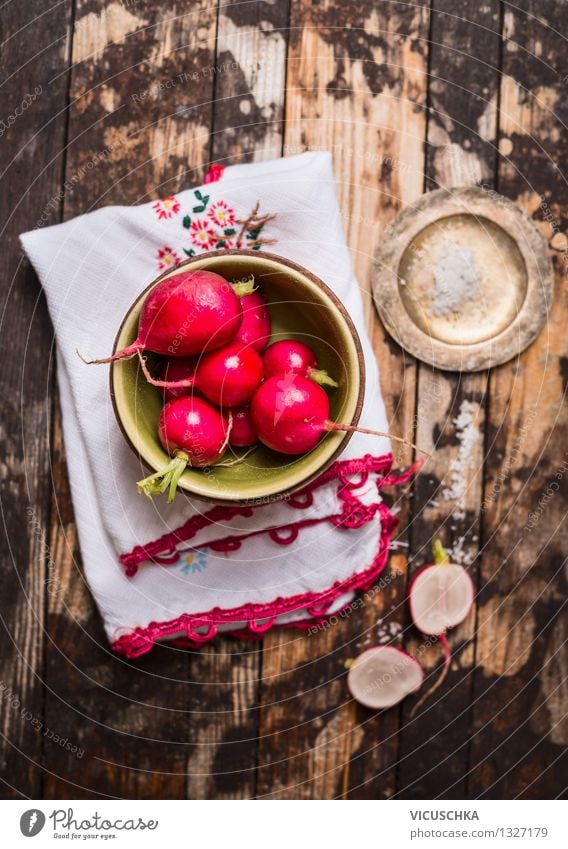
287,490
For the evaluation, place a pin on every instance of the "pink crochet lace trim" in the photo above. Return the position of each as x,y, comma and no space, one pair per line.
199,628
164,551
259,617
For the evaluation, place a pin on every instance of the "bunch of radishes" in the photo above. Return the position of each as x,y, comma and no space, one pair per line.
221,384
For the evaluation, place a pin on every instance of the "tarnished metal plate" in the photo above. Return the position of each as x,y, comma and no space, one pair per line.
463,280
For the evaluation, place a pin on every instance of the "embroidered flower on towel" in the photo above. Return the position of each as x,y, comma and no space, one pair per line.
193,562
201,233
211,225
167,258
221,214
167,207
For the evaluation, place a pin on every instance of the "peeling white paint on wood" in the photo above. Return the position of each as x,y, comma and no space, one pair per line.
95,32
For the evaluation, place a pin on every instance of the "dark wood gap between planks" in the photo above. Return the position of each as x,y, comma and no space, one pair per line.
53,392
486,430
237,749
411,508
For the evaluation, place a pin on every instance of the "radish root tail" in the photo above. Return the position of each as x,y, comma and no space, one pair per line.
225,444
355,429
163,384
126,353
236,461
441,677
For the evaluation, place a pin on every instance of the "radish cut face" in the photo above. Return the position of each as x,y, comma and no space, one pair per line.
381,677
440,598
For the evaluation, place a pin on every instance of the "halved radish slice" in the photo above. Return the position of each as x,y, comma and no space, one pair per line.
440,596
381,677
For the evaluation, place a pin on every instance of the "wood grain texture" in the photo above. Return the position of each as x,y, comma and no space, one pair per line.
32,100
356,87
520,728
138,115
461,150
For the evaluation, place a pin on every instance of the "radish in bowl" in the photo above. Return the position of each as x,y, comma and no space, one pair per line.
188,313
194,434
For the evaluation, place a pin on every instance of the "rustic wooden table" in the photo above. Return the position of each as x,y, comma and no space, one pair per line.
130,101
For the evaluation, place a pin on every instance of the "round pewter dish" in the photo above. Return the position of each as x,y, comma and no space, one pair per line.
463,280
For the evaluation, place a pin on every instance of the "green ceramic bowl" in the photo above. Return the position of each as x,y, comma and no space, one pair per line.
301,307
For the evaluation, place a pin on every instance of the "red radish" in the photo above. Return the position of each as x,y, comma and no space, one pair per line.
291,414
194,434
291,357
383,676
242,433
440,596
174,370
256,327
191,312
227,377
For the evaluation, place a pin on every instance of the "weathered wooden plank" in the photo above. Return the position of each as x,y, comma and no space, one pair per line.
462,127
139,127
32,129
520,730
249,74
356,87
223,694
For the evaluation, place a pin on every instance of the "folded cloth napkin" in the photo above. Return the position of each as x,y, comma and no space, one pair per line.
229,568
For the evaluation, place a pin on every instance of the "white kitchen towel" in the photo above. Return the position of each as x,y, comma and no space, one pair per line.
92,268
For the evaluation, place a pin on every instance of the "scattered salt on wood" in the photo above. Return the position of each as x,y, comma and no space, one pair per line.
387,633
468,438
458,553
